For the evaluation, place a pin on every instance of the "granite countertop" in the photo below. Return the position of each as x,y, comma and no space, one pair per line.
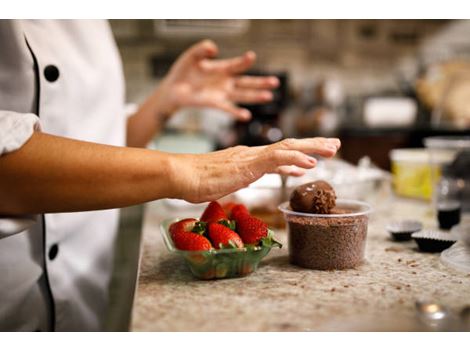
379,295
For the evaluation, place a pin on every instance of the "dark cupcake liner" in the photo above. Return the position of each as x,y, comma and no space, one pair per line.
433,241
403,229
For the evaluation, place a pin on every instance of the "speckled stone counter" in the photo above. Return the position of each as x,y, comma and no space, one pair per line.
379,295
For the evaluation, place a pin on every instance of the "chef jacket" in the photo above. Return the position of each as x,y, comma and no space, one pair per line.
64,78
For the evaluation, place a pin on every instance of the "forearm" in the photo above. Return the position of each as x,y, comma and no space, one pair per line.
148,120
54,174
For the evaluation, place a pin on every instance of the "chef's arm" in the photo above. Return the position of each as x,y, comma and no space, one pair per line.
147,121
55,174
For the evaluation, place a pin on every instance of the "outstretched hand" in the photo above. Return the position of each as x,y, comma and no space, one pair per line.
205,177
196,79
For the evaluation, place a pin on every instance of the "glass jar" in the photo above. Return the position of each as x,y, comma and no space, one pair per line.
448,202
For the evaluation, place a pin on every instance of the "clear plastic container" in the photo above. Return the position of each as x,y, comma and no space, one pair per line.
443,151
328,241
414,172
457,257
220,263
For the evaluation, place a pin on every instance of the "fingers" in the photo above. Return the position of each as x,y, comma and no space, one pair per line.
326,147
253,82
199,51
251,96
284,160
231,66
290,170
239,113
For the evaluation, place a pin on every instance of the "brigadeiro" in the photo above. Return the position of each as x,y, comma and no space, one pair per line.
325,233
314,197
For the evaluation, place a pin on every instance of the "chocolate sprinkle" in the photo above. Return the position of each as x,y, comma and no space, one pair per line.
327,243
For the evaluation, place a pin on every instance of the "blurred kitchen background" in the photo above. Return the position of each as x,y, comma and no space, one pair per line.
386,83
382,86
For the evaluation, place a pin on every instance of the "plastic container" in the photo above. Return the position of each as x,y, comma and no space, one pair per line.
457,257
364,182
445,150
413,172
462,231
328,241
220,263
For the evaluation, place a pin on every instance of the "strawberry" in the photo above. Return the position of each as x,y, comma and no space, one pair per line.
213,213
238,210
251,229
227,207
187,235
190,241
187,225
222,237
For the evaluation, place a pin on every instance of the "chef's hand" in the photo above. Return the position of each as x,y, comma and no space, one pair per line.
54,174
205,177
198,80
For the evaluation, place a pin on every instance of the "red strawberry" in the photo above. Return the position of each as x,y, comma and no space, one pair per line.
187,235
190,241
222,237
227,207
213,213
238,210
185,225
251,229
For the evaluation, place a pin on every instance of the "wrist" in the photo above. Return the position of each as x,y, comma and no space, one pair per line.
164,104
183,177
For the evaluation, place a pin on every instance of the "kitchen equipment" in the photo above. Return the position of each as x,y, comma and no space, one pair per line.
457,257
264,126
200,28
220,263
413,172
462,231
438,317
433,315
328,241
452,154
390,112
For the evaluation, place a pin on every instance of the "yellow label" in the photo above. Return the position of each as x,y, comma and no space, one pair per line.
414,180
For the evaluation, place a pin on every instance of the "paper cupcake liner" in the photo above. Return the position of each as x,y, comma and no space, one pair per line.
401,230
433,240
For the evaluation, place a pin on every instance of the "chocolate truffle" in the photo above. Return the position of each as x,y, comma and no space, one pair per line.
314,197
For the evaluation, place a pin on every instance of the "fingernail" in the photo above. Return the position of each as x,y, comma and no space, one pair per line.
274,81
332,148
245,114
268,96
311,160
334,141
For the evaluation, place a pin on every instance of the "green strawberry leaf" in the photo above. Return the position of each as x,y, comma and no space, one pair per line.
252,246
270,241
199,227
230,245
228,223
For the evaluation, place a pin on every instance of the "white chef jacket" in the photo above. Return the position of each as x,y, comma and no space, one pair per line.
64,77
